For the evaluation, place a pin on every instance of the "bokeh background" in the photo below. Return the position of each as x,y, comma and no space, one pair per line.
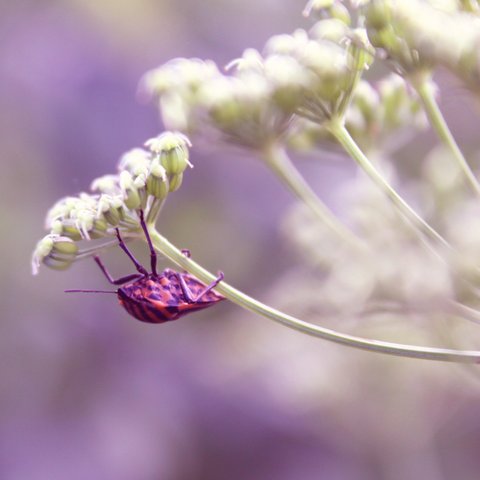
86,392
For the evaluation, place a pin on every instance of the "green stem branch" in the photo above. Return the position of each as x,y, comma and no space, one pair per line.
249,303
437,121
341,134
277,159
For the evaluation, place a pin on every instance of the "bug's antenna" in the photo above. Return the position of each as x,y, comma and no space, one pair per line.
89,291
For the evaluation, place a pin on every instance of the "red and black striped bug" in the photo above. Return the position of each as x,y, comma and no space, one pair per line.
157,298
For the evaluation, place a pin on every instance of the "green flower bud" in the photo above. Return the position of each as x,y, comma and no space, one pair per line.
67,228
131,196
54,251
110,208
362,52
340,12
157,181
378,14
136,161
89,224
140,184
175,182
172,151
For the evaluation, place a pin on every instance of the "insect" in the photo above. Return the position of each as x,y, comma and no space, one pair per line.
157,298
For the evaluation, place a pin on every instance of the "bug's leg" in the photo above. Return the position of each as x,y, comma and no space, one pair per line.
153,253
118,281
208,288
188,293
141,269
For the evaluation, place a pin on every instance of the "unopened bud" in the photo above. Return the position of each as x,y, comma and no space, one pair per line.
131,196
175,182
157,181
54,251
136,161
110,207
172,151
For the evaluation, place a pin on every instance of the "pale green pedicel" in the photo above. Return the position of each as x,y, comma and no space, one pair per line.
249,303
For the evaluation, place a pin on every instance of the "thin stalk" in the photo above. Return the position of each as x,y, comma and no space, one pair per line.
249,303
440,126
341,134
154,209
277,159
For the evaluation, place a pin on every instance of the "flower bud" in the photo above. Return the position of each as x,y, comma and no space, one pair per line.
54,251
172,151
136,161
88,223
110,207
175,182
131,196
157,181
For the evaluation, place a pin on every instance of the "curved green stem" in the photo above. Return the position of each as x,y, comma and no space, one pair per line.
249,303
277,159
437,121
341,134
154,210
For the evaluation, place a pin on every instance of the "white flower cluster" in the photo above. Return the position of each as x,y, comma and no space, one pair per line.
144,179
310,74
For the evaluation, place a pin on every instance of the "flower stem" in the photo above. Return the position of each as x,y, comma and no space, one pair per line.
439,124
277,159
249,303
341,134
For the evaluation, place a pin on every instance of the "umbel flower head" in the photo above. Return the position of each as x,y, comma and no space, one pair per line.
144,179
382,115
419,35
253,105
243,107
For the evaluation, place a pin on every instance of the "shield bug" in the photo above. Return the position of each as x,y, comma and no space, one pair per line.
157,298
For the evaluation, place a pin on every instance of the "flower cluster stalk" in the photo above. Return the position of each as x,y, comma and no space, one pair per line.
236,296
277,159
438,123
341,134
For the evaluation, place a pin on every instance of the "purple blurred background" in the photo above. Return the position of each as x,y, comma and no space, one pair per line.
87,392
